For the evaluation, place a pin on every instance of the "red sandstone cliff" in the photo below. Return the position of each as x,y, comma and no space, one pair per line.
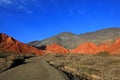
86,48
91,48
55,48
8,43
115,47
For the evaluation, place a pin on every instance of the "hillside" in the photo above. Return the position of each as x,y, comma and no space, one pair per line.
55,48
9,44
71,41
101,36
65,39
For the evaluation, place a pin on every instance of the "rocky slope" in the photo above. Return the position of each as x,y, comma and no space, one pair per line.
101,36
115,47
8,43
105,40
92,48
87,48
71,41
65,39
55,48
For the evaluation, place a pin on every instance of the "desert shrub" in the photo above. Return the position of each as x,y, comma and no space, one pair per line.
88,60
3,54
26,56
98,66
11,57
103,54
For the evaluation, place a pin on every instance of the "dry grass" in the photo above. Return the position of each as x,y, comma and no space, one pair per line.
94,67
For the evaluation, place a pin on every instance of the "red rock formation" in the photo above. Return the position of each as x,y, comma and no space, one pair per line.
103,47
85,48
55,48
115,47
91,48
10,44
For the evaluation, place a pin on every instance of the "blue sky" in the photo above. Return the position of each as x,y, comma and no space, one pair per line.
28,20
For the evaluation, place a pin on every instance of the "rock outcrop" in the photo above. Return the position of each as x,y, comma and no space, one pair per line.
55,48
86,48
115,47
8,43
92,48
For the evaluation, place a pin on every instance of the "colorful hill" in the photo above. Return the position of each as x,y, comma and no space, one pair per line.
8,43
55,48
107,40
71,41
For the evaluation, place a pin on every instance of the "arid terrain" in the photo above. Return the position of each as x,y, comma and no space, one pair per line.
101,66
89,56
32,69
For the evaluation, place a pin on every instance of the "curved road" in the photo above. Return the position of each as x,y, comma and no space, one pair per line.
34,69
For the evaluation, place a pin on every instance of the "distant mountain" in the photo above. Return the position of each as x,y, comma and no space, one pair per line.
9,44
65,39
101,36
71,41
107,40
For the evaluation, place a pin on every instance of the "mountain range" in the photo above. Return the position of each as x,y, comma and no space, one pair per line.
71,41
106,40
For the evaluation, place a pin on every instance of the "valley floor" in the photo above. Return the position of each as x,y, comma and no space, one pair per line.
60,67
87,67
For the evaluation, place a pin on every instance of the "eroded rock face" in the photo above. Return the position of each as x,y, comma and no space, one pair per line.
8,43
92,48
86,48
115,47
103,47
55,48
